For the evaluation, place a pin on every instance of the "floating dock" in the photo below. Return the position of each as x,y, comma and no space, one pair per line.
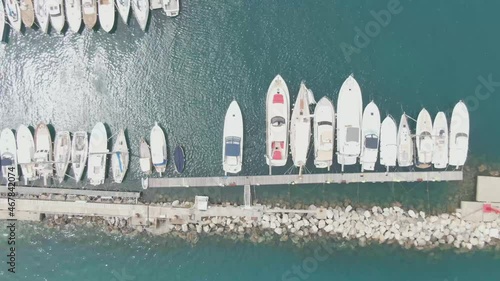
331,178
487,204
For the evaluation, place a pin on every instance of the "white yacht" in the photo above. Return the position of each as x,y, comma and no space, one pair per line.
42,14
370,132
8,155
349,115
459,135
27,12
171,7
74,14
106,10
388,142
89,13
44,164
232,141
277,118
440,137
424,141
98,152
2,22
145,157
26,153
79,153
120,157
56,12
405,143
141,12
300,127
124,9
13,14
158,149
324,133
62,154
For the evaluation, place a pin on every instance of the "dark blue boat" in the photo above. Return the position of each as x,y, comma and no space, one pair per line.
179,159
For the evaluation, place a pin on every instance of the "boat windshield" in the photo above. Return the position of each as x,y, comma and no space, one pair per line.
371,141
7,162
233,146
277,121
352,134
321,123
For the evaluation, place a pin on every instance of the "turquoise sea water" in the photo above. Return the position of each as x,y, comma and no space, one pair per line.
184,72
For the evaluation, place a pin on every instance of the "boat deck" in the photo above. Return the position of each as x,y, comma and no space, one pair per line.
306,179
28,14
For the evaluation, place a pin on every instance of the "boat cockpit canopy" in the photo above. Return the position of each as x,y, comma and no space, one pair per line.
277,121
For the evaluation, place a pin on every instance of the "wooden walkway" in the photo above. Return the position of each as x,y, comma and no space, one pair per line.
306,179
26,190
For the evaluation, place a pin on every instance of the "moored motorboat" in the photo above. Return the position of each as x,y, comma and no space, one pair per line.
27,12
405,143
179,159
79,153
459,135
144,157
324,133
89,12
98,152
26,153
2,22
424,141
74,14
13,14
440,137
43,152
42,14
349,117
8,155
277,118
56,12
120,157
141,12
171,7
124,9
388,142
158,149
62,154
300,128
232,141
106,10
370,132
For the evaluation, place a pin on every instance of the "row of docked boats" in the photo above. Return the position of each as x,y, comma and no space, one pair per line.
56,12
359,133
38,157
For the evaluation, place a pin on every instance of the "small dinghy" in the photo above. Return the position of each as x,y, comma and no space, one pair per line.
98,152
144,157
8,155
106,10
459,135
440,136
324,133
120,157
349,116
42,15
13,14
56,12
43,152
300,128
158,149
27,12
62,154
171,7
405,143
124,9
370,131
26,153
79,152
141,12
277,119
179,159
145,183
388,142
232,148
89,11
74,14
424,141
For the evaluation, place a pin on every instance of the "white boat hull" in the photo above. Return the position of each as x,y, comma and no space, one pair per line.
98,150
141,12
120,157
349,116
277,119
43,152
56,12
300,128
440,137
42,14
370,131
106,11
13,14
424,141
324,133
26,153
158,149
62,154
79,153
8,155
459,135
74,14
405,143
145,157
232,141
123,9
388,142
171,7
2,22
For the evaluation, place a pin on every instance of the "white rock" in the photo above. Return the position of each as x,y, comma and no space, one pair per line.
329,214
422,214
272,225
241,229
293,230
198,228
184,228
329,221
450,239
367,214
278,231
493,233
314,229
412,214
206,228
265,224
298,224
433,219
328,228
474,241
321,224
348,209
285,219
266,218
175,203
